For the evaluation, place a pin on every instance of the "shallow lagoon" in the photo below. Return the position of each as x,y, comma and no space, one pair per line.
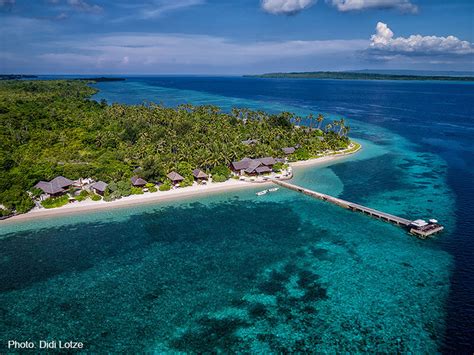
237,272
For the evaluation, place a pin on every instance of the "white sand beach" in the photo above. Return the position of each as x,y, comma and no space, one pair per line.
174,194
318,161
326,158
146,198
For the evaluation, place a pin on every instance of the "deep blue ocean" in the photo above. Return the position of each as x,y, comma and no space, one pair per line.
283,272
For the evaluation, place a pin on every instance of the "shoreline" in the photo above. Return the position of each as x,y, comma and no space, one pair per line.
133,200
162,196
327,158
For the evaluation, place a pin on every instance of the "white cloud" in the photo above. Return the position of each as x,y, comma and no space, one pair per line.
353,5
383,35
384,44
151,52
156,9
84,6
167,6
286,7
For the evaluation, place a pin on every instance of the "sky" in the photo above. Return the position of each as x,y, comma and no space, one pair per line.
233,37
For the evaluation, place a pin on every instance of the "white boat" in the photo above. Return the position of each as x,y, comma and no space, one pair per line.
273,189
260,193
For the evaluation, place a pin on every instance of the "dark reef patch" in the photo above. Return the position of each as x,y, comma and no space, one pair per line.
272,287
321,254
212,335
142,264
315,292
258,311
375,175
31,257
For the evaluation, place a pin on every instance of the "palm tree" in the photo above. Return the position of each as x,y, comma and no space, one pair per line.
341,126
235,112
298,120
310,118
320,120
346,131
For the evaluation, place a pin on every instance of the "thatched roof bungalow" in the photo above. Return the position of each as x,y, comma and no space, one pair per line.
199,174
138,181
268,161
175,177
55,187
243,164
253,166
49,188
263,169
99,187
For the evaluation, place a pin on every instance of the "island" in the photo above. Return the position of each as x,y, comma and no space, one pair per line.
16,76
59,147
347,75
102,79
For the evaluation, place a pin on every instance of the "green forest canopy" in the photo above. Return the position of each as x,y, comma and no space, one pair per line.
51,128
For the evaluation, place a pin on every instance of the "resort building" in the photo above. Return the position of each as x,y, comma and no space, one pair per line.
99,187
288,150
253,166
239,166
199,175
138,181
262,169
55,187
268,161
175,177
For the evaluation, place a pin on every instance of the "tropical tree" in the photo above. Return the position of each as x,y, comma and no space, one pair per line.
341,125
310,119
320,120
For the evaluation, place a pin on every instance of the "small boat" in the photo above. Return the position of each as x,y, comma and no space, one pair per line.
260,193
273,189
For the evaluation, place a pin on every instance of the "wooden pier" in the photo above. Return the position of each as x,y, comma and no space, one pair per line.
418,227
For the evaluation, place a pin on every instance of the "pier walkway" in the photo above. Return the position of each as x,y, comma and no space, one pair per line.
413,227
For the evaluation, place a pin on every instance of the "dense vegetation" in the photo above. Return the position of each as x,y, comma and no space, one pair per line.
51,128
360,76
54,202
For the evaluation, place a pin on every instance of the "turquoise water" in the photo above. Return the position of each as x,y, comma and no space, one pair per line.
237,272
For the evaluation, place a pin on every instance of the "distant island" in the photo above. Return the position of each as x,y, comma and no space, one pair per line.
16,76
359,76
101,79
23,76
